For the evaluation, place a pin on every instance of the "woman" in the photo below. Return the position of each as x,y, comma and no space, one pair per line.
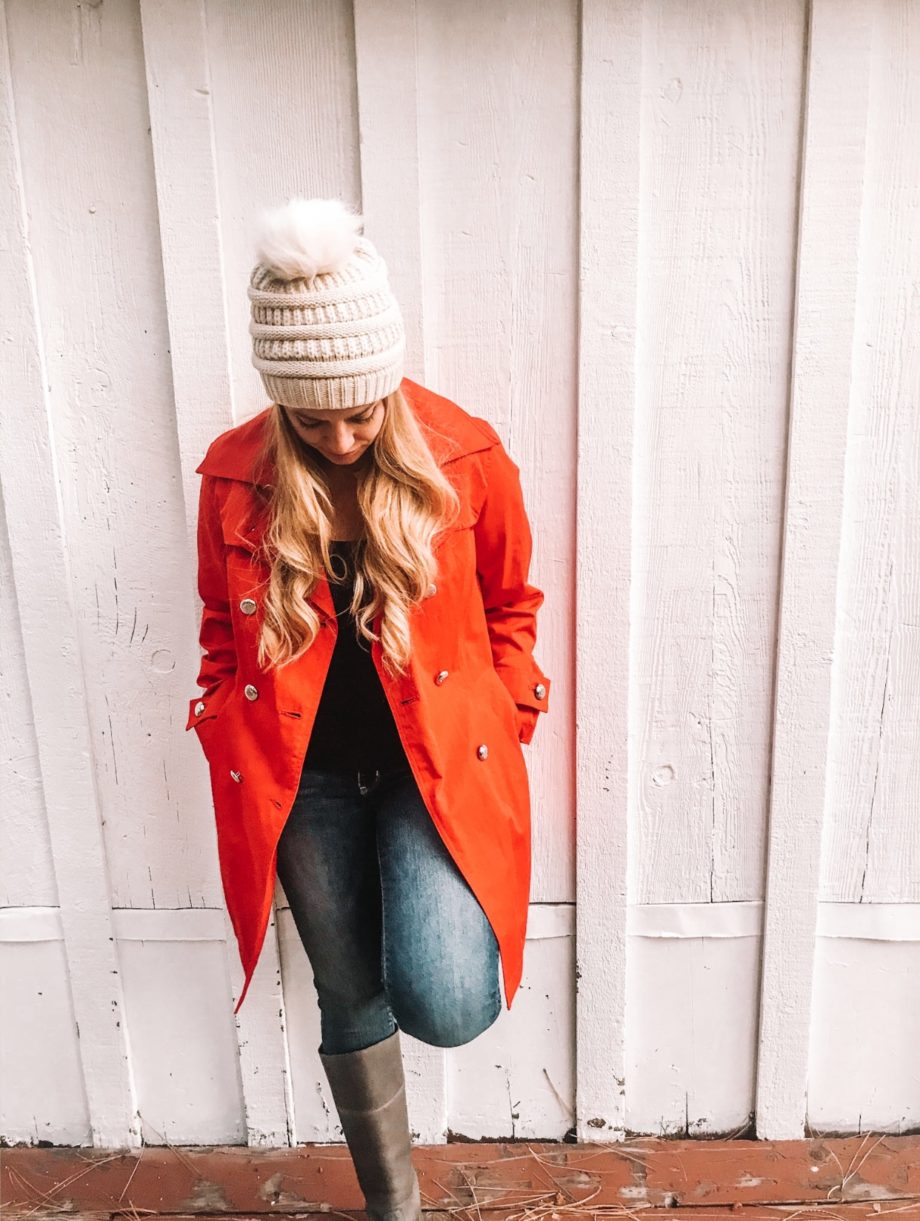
368,674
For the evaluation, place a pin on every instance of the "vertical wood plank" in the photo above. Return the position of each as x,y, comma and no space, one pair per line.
691,1064
611,40
871,843
495,316
283,122
386,67
866,984
24,827
35,520
498,136
181,122
721,133
43,1097
832,175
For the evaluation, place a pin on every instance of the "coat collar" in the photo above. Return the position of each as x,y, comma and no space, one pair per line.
450,432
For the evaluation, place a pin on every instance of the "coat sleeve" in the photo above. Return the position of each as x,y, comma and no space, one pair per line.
503,553
219,660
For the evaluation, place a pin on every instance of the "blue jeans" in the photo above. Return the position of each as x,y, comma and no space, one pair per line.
394,934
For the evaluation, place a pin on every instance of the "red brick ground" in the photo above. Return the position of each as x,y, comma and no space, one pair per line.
828,1179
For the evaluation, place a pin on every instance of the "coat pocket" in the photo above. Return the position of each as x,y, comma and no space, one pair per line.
504,704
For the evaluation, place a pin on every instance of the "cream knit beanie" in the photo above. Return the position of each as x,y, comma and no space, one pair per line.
326,330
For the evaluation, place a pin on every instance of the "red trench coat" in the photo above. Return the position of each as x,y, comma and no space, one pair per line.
473,682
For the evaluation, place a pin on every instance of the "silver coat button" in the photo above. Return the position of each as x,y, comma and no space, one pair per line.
440,676
200,707
432,589
482,751
237,776
248,606
251,692
539,691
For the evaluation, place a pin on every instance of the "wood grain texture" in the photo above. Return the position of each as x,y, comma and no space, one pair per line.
609,224
254,1096
53,383
25,837
720,120
285,122
43,1097
833,168
829,1179
872,814
671,253
498,139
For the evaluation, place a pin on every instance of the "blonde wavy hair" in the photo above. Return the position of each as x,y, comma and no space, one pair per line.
404,499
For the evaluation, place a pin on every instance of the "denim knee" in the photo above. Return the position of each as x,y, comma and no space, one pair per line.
347,1024
443,1020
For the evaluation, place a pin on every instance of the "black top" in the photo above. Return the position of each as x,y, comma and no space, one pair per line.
354,727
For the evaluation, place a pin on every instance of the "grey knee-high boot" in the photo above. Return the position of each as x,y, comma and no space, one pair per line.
369,1091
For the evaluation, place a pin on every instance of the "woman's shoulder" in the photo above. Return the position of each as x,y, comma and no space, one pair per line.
233,453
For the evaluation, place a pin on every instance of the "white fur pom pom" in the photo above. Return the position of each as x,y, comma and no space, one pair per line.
306,237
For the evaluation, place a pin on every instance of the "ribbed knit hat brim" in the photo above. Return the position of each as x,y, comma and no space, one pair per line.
333,393
334,339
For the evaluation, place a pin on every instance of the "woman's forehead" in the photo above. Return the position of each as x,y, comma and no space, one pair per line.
334,413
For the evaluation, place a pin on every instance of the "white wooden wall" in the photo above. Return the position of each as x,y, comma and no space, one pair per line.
672,252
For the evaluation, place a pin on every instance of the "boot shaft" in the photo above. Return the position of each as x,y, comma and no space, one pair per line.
369,1090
